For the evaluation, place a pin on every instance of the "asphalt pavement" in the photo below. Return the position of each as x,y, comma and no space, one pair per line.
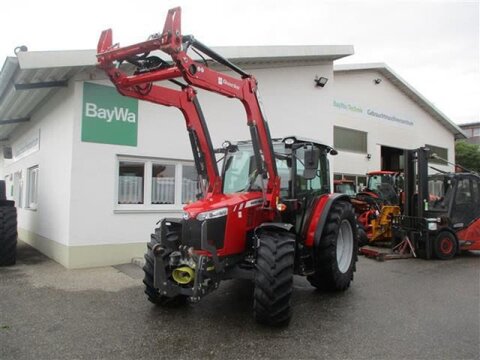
399,309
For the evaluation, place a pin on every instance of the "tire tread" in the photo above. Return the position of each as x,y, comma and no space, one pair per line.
274,278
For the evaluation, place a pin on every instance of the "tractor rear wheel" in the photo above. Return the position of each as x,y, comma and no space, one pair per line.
445,245
153,294
8,233
3,191
336,254
274,278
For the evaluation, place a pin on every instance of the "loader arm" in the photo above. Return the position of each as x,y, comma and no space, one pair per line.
186,101
199,75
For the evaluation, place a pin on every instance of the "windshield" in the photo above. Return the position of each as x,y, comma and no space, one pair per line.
240,170
375,181
348,189
241,175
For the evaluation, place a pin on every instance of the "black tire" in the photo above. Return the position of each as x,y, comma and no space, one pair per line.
3,190
328,274
445,245
8,235
153,294
362,235
274,278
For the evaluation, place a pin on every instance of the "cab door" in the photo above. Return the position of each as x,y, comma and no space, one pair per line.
466,206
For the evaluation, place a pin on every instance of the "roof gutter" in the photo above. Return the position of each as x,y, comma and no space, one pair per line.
8,70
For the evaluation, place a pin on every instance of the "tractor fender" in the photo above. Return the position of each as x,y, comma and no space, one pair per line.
319,217
274,226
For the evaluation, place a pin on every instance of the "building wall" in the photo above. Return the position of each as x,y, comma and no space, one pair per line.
293,106
356,95
78,221
46,227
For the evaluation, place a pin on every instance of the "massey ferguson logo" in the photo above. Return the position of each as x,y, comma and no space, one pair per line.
222,81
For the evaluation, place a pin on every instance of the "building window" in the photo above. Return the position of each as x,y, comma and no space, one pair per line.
155,184
163,184
32,188
360,181
130,182
442,153
189,184
349,140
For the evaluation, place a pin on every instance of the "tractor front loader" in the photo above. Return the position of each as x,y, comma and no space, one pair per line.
267,216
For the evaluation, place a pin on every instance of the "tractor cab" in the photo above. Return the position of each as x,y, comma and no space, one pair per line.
386,185
302,166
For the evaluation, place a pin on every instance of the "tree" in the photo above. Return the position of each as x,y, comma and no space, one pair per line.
467,155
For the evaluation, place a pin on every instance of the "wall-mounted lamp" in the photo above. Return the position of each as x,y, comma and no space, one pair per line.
21,48
320,81
377,81
369,156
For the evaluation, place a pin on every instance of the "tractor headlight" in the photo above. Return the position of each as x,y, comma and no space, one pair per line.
212,214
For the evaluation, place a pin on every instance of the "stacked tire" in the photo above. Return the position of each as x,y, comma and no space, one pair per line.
8,229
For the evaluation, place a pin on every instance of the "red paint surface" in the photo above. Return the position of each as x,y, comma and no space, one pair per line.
471,233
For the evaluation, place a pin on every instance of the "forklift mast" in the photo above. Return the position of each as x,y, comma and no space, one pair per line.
416,172
198,74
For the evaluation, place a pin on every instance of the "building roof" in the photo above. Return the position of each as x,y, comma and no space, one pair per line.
469,125
409,91
27,80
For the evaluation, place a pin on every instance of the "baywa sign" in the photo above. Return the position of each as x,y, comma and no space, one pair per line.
108,117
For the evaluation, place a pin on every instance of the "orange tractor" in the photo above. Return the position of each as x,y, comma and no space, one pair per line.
377,204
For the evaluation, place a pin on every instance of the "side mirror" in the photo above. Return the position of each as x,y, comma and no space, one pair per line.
310,161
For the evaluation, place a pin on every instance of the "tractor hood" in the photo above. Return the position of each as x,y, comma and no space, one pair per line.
221,204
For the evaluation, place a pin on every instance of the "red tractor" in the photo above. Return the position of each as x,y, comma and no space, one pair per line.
385,185
268,215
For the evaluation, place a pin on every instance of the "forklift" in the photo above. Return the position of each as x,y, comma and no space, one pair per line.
441,214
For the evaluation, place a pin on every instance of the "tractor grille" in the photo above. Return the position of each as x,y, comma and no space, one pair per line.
192,229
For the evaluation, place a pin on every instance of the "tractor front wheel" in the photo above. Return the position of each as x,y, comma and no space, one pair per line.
445,245
274,278
336,253
153,294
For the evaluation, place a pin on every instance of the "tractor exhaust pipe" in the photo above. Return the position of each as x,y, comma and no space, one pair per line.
183,275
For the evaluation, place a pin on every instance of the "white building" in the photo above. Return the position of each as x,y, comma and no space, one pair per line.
85,176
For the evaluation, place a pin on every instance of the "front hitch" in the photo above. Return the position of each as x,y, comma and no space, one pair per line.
176,266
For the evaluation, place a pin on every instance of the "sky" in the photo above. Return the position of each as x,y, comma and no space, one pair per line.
433,45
